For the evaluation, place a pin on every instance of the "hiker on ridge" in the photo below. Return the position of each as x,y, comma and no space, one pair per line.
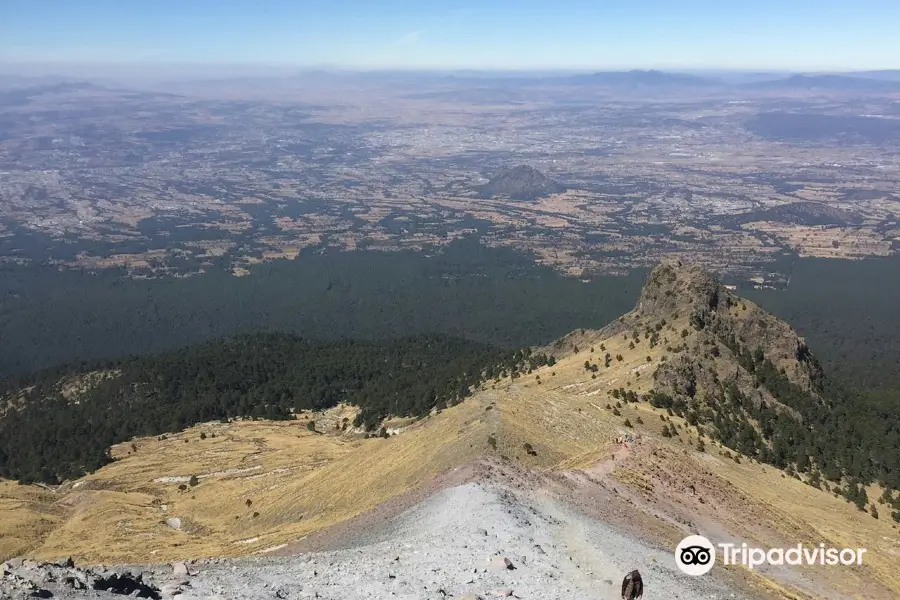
632,586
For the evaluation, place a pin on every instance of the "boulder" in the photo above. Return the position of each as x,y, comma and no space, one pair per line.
501,562
179,569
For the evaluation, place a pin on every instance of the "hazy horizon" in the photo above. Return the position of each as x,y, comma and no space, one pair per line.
504,35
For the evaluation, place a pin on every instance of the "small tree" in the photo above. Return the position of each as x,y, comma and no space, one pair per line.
627,423
249,502
194,481
311,426
202,435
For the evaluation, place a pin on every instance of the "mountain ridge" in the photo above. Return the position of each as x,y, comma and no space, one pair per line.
707,387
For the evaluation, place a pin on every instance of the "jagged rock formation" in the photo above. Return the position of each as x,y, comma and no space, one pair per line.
521,183
741,374
726,322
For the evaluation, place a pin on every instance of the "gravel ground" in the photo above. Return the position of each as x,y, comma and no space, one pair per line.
452,544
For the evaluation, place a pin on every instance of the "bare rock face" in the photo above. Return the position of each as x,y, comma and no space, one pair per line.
675,286
732,324
730,355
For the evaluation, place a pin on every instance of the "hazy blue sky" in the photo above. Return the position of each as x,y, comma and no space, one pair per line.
588,34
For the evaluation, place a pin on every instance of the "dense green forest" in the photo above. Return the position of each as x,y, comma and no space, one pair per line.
51,437
496,296
848,313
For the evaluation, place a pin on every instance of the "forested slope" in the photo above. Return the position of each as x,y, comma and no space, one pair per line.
64,420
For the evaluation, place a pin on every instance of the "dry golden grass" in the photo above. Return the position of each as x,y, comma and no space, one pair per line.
809,515
26,516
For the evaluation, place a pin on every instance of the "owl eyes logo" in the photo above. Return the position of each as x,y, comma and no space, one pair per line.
695,555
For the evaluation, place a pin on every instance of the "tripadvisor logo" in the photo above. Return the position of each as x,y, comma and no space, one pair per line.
695,555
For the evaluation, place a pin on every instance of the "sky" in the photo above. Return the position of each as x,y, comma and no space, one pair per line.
804,35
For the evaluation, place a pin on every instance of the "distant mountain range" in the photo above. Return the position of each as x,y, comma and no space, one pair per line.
638,78
854,82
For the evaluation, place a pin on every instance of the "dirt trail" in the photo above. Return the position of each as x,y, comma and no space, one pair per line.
451,544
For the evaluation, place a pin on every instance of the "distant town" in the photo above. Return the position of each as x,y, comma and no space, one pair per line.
223,175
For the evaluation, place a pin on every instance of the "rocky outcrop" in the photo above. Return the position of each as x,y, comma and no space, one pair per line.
22,578
725,322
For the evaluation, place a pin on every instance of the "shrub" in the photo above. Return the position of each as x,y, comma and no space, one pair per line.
627,423
193,481
311,426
